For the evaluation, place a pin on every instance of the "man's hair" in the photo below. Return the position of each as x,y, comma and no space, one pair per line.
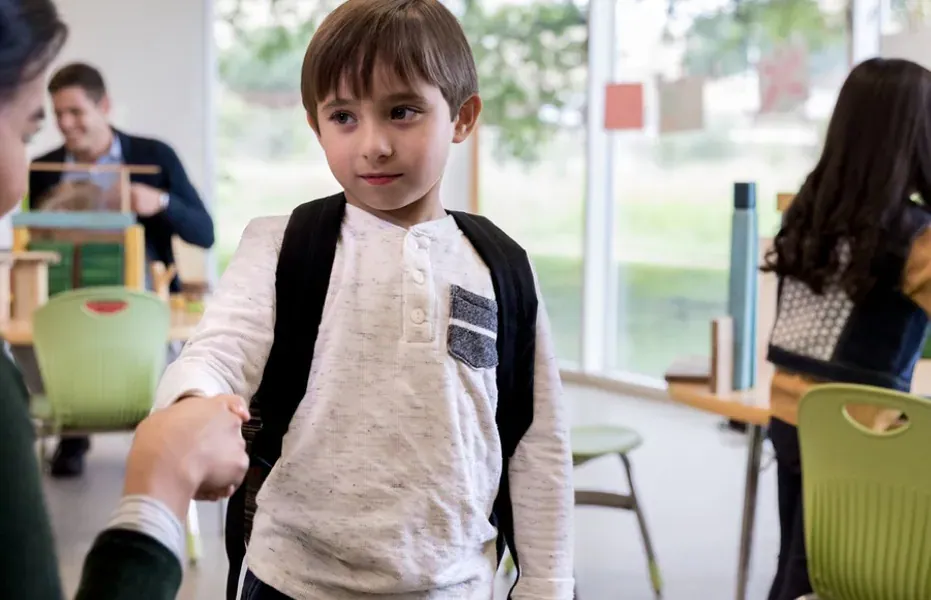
417,39
79,75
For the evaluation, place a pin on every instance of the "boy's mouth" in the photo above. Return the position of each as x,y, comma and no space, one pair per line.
380,178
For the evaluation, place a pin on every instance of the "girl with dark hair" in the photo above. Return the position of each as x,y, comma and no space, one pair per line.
853,260
194,447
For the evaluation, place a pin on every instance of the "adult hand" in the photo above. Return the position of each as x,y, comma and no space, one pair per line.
146,200
190,446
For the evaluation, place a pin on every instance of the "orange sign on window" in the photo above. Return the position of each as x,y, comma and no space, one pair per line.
624,106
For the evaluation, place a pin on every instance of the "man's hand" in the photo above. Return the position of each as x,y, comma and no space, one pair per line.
146,200
191,446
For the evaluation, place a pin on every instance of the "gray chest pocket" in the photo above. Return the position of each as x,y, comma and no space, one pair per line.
473,328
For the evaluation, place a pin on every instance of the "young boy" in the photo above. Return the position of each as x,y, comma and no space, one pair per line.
392,460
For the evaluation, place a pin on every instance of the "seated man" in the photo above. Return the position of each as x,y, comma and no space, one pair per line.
166,203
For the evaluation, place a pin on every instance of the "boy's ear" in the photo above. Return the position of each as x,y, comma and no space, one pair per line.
104,105
467,118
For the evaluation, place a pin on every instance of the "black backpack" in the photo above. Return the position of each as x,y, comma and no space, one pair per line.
302,278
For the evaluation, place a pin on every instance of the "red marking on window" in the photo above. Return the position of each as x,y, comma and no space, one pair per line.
106,307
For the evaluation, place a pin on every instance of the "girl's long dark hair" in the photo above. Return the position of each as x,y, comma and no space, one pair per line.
31,34
854,208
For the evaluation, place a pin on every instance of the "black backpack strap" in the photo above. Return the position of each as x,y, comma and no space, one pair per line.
516,295
301,281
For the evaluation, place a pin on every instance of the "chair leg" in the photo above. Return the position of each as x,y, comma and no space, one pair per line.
508,564
194,546
655,576
221,510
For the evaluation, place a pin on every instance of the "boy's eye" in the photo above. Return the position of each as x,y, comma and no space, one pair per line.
341,118
403,112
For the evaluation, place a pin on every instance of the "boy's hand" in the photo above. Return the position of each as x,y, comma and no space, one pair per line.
208,493
191,446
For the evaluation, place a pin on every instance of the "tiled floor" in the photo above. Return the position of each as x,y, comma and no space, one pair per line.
689,476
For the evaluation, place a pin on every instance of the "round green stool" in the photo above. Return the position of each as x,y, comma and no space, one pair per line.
596,441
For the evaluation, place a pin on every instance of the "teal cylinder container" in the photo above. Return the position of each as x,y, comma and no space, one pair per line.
742,283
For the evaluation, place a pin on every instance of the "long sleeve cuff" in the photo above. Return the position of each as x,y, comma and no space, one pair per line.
183,380
150,517
529,588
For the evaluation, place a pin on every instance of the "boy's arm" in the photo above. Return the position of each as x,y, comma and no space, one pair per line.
229,348
541,484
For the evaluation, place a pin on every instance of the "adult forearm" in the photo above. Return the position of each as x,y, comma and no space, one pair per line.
128,565
190,220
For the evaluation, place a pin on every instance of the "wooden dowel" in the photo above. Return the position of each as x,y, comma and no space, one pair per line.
92,168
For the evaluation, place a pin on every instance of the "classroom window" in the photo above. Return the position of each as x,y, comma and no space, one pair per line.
531,58
731,92
268,160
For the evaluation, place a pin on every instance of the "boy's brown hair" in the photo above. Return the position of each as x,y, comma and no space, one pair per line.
419,39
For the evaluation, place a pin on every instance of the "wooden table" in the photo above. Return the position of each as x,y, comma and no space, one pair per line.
183,323
752,407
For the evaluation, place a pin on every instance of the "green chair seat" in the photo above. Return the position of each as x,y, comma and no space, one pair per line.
593,441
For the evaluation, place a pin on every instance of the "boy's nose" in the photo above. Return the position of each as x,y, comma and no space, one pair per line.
376,144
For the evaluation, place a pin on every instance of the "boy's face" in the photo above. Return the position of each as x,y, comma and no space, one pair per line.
389,151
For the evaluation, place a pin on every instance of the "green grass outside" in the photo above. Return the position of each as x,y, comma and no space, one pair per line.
663,312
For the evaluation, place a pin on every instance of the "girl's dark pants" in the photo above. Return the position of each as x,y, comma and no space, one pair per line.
791,580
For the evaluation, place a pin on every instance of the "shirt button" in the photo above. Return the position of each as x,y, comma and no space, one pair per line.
418,277
424,243
417,316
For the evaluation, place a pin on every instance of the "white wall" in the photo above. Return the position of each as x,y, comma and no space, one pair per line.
456,187
157,60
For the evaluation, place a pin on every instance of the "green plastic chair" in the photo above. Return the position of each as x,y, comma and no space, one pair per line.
867,496
101,352
597,441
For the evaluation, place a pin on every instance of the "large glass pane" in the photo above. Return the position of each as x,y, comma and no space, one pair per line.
532,70
734,91
268,160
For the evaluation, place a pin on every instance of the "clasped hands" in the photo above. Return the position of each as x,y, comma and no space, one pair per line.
193,449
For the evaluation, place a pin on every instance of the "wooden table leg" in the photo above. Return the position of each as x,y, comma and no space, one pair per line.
30,285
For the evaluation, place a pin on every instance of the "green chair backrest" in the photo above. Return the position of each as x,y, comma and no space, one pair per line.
101,352
867,496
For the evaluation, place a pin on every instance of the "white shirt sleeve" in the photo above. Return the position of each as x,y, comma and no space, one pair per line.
150,517
540,474
230,346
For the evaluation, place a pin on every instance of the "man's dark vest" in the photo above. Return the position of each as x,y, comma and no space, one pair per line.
302,279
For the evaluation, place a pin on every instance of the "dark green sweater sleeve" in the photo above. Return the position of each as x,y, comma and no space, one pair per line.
121,564
129,565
